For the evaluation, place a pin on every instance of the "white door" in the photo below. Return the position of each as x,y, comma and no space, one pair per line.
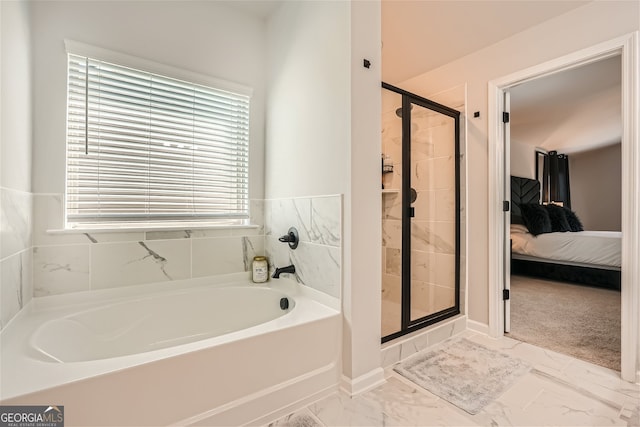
507,212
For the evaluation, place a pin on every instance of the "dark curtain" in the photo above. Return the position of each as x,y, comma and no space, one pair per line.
556,187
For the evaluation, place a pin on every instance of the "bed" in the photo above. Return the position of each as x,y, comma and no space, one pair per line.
584,257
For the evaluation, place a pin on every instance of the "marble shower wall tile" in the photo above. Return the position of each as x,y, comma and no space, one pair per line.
84,261
280,214
134,263
15,221
224,255
17,285
326,226
318,258
61,269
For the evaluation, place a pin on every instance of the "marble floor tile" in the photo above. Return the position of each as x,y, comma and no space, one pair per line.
302,418
413,406
342,410
559,391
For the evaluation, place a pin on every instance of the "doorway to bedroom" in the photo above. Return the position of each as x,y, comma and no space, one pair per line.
563,268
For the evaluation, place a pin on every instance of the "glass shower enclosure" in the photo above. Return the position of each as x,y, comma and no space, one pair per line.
420,212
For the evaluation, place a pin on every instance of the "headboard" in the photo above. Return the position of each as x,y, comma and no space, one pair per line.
523,190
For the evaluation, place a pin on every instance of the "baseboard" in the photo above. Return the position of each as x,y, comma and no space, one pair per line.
482,328
362,383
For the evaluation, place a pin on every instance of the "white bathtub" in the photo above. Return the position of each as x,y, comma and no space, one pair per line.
188,352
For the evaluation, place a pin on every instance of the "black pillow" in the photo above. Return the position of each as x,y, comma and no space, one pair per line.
558,218
536,218
572,220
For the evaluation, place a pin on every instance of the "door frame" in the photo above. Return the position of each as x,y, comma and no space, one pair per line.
627,47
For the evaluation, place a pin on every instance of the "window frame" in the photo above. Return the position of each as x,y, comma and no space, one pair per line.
124,60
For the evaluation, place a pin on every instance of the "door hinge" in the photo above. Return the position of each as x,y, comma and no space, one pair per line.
412,212
505,117
505,294
505,206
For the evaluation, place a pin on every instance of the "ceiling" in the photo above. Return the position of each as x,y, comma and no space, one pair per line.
571,111
421,35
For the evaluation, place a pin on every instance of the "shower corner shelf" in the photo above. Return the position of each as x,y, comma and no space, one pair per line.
390,191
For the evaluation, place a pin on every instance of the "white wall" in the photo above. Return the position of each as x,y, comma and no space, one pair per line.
596,187
15,160
16,97
308,107
523,160
580,28
204,37
323,128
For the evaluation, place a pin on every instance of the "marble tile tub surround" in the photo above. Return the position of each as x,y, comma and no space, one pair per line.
16,284
75,262
318,258
559,391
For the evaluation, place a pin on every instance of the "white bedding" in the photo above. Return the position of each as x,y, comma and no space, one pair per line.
597,248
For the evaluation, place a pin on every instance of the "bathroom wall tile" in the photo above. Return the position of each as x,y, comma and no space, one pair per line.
392,205
423,266
445,205
422,145
224,255
433,236
445,273
423,175
133,263
318,267
278,253
326,220
393,180
444,173
15,221
12,290
281,214
60,269
390,355
393,261
425,206
444,138
391,288
392,233
446,330
441,297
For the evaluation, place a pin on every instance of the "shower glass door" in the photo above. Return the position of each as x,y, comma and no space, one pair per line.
421,220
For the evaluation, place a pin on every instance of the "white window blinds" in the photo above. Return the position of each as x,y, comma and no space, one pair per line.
146,148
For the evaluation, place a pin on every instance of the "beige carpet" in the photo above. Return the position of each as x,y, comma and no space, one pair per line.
580,321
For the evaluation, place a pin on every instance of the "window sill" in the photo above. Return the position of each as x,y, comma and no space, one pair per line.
125,228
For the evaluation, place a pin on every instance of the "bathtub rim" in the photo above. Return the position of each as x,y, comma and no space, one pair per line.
312,305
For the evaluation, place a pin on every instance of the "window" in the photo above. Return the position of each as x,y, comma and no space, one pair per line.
144,148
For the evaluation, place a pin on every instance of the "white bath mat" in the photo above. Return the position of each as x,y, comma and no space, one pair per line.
464,373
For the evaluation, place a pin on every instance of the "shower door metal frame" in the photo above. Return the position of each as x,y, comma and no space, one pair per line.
406,324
